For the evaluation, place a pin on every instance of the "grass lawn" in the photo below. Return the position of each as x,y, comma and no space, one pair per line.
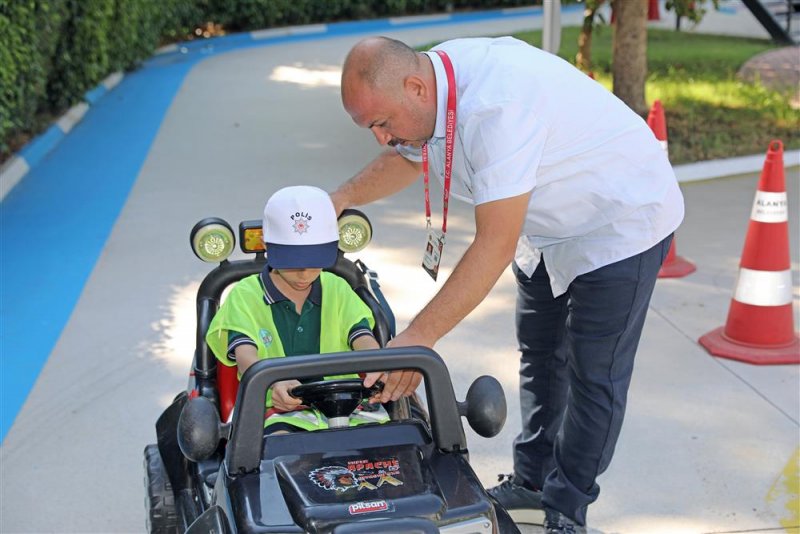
710,114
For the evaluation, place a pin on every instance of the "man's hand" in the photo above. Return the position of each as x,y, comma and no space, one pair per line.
281,399
369,381
400,383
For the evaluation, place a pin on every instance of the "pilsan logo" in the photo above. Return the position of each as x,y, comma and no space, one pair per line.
368,507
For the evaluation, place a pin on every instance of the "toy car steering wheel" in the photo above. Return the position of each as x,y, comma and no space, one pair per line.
335,398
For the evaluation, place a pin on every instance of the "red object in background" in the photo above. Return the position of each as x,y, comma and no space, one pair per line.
760,325
674,266
652,10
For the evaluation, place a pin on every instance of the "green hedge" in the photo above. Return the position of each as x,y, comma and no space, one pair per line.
53,51
27,49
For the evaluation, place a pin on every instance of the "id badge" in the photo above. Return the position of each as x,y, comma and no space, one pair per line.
433,253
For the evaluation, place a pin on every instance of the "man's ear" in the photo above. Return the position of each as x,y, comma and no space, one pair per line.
416,86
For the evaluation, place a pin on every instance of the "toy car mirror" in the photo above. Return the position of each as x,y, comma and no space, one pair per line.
199,429
485,406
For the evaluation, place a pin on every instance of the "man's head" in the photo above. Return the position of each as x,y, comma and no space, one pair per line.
300,229
390,89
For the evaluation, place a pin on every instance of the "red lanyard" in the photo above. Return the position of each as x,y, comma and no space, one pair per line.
450,130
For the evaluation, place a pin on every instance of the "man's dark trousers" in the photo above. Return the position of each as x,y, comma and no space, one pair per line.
576,364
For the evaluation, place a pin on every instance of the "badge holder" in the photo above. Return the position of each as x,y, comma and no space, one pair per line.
435,244
433,252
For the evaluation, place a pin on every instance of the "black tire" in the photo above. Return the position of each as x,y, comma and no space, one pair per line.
159,500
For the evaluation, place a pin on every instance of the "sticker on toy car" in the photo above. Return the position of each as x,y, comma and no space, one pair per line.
376,473
360,474
334,478
368,507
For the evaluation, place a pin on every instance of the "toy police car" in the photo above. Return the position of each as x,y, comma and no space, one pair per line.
409,475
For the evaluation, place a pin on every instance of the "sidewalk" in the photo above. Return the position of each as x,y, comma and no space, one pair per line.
707,446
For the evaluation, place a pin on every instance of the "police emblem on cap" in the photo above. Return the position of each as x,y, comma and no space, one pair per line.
301,222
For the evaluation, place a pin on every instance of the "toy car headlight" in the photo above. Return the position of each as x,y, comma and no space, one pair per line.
212,240
355,231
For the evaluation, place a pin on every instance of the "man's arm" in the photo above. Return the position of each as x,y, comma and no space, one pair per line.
385,175
497,228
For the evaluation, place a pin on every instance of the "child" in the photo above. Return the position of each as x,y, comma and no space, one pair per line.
292,308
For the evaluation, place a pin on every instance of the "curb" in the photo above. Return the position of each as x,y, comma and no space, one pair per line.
718,168
12,171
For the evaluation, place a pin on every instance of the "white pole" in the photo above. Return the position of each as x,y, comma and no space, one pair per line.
551,35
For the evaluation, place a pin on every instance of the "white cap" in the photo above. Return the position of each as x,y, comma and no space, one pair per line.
300,229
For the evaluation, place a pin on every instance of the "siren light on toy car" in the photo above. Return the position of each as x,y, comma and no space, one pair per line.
212,240
251,236
355,231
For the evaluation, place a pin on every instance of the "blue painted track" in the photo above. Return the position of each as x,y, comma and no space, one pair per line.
55,223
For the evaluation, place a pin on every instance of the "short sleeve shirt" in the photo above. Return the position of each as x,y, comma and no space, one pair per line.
602,188
299,333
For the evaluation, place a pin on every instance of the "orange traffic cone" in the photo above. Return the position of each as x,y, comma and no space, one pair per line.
760,326
674,266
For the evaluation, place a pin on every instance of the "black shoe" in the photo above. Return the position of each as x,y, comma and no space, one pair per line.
522,504
557,523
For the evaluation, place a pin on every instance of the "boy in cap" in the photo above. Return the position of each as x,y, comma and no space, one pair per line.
292,307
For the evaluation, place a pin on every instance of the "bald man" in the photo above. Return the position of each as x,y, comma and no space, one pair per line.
572,189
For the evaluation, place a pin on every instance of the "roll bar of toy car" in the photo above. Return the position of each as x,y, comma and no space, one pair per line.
245,446
208,298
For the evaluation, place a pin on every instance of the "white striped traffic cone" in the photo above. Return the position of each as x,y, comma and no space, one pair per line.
760,326
674,266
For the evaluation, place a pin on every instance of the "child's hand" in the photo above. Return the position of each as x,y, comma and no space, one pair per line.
281,399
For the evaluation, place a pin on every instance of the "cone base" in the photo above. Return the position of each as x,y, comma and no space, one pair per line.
720,345
676,268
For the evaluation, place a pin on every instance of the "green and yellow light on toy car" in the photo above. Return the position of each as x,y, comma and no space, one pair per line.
212,240
355,231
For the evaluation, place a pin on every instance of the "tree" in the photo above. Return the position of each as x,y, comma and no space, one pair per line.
629,63
583,59
691,9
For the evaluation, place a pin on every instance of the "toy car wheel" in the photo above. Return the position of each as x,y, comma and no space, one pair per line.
159,501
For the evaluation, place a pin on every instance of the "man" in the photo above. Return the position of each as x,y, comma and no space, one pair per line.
566,181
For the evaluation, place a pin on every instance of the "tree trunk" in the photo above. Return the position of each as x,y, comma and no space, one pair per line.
583,59
629,63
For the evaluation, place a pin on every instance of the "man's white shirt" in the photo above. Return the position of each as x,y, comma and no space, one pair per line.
602,186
